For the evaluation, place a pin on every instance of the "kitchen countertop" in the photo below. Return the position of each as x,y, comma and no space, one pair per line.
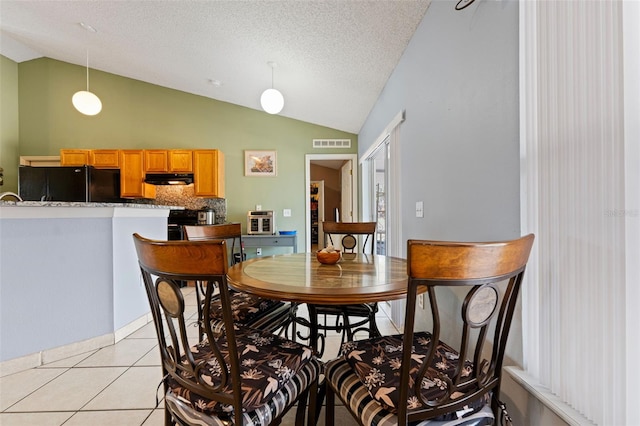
80,204
62,210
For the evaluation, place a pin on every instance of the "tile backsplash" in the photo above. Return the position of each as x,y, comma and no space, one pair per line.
182,195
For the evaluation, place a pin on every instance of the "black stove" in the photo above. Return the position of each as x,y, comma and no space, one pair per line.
176,219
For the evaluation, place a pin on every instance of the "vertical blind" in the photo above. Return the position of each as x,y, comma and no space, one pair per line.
573,199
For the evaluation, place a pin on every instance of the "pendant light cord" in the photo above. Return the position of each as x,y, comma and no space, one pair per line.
87,70
272,65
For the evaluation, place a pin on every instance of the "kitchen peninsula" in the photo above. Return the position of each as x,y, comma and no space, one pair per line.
69,278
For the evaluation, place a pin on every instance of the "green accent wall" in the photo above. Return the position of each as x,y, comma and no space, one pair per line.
9,133
141,115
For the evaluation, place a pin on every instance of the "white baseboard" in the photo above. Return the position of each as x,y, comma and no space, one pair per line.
132,326
61,352
548,399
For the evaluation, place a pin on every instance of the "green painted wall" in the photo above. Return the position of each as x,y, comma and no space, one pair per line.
9,134
141,115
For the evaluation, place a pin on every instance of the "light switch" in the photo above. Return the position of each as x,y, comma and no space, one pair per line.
419,209
286,212
258,207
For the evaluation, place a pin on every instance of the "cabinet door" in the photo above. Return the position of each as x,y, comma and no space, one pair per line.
132,175
105,158
180,161
74,157
208,173
156,160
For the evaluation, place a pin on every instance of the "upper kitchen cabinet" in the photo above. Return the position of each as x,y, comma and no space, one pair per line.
132,171
75,157
208,173
105,158
168,161
180,161
156,161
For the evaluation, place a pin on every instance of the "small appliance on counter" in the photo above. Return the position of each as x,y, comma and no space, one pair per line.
206,217
261,222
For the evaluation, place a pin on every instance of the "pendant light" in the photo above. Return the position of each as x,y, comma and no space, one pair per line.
272,100
463,3
84,101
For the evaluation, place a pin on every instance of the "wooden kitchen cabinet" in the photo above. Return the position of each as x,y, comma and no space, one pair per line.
208,173
132,171
156,161
105,158
74,157
168,160
180,160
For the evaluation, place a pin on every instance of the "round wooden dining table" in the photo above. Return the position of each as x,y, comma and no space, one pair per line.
299,277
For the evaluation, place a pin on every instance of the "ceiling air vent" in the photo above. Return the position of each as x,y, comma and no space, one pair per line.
332,143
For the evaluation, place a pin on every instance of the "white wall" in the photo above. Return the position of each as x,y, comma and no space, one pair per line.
458,82
459,144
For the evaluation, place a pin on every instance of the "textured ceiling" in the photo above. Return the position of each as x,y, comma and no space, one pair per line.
333,56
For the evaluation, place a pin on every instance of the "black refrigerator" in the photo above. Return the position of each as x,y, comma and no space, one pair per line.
79,184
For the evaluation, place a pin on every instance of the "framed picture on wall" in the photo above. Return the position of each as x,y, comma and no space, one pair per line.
260,163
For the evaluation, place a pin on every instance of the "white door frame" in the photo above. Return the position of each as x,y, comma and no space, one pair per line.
307,184
394,239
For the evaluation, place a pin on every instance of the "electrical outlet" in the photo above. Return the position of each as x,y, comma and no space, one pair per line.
258,251
421,301
286,213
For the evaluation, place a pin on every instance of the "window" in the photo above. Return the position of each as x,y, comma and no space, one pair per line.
580,186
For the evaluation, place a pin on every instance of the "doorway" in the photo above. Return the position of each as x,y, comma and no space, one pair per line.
345,167
377,178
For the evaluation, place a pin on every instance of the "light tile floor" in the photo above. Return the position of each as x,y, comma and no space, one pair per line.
115,385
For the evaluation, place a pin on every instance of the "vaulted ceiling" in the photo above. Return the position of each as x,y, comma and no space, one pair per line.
333,56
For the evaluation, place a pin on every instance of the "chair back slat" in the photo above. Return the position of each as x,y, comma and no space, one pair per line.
349,229
178,258
461,261
227,231
208,232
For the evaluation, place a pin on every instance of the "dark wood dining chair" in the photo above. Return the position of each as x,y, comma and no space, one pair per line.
225,231
349,319
415,377
237,375
249,310
349,232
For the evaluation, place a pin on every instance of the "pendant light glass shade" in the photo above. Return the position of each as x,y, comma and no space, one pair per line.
86,102
272,100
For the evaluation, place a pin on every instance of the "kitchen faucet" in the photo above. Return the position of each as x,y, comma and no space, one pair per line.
12,194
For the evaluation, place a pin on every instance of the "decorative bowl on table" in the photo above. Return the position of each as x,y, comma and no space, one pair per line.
328,257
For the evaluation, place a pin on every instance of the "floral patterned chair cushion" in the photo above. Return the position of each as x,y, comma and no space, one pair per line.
252,311
376,362
261,416
267,363
244,307
370,413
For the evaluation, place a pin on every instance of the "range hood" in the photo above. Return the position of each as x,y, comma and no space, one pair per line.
169,178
